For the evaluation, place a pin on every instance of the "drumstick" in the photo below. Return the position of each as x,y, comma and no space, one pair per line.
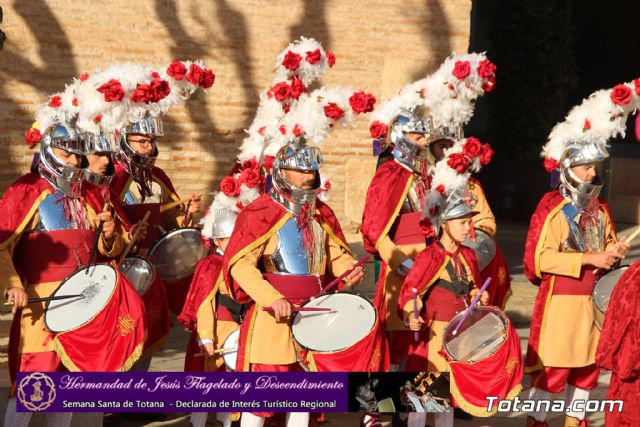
44,299
321,309
97,239
414,291
134,237
633,235
172,205
186,212
342,276
220,350
469,309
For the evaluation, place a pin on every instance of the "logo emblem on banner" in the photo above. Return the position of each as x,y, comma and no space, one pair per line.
36,391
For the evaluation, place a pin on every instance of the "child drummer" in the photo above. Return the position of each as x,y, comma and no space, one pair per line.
208,311
445,274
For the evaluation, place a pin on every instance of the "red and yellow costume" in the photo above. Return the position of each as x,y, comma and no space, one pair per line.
618,348
393,236
37,261
264,343
563,337
205,317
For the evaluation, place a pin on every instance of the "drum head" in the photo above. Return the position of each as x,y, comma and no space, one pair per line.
483,246
353,319
230,357
604,288
479,336
96,284
139,272
177,253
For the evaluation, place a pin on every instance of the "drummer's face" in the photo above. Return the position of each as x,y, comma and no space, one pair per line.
303,180
586,173
438,147
221,243
99,162
68,158
459,228
417,138
142,144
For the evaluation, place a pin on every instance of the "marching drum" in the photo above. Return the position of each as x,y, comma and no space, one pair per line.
602,292
479,336
177,253
230,357
353,318
140,273
96,284
483,246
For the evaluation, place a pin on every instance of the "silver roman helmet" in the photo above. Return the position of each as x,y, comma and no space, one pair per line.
299,156
102,143
457,204
136,163
223,222
406,151
573,188
65,136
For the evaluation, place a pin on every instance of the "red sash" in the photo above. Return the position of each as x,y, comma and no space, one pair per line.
407,230
296,288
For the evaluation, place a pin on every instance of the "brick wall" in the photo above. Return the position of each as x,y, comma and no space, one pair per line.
379,45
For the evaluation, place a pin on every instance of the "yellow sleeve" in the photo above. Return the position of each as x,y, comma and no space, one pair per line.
9,278
484,219
390,253
339,259
552,259
610,238
246,273
118,243
205,320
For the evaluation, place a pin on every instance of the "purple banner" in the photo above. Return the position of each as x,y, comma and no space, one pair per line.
182,392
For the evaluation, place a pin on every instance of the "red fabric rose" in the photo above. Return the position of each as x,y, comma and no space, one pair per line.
489,85
250,177
252,163
268,162
55,101
378,129
621,94
195,74
262,130
327,186
239,205
177,70
586,125
636,86
112,91
84,77
297,88
362,102
427,229
208,78
230,186
314,56
551,164
141,94
159,89
461,70
32,137
297,130
472,147
422,93
486,68
331,59
440,189
286,108
291,61
74,101
333,112
281,91
459,162
487,154
283,129
97,119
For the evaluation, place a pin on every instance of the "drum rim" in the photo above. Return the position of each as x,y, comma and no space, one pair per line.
495,243
237,350
375,321
593,300
46,307
170,233
491,308
153,271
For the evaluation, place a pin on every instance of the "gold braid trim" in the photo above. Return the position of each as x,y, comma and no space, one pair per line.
16,233
478,411
396,211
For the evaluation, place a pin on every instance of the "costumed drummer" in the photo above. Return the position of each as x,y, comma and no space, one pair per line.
287,241
209,312
48,233
571,239
423,112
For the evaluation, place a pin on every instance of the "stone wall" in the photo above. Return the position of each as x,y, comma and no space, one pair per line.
379,45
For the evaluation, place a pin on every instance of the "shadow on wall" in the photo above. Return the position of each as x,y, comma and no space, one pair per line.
56,55
436,35
313,23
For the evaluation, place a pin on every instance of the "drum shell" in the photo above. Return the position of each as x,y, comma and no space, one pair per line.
139,271
602,291
177,253
484,246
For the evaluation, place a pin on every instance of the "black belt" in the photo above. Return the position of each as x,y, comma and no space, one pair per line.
236,309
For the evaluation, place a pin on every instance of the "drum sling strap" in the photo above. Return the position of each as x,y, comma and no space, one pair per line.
457,286
236,309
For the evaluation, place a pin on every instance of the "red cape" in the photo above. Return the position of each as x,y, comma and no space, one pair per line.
203,284
619,345
260,220
19,203
95,195
385,196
